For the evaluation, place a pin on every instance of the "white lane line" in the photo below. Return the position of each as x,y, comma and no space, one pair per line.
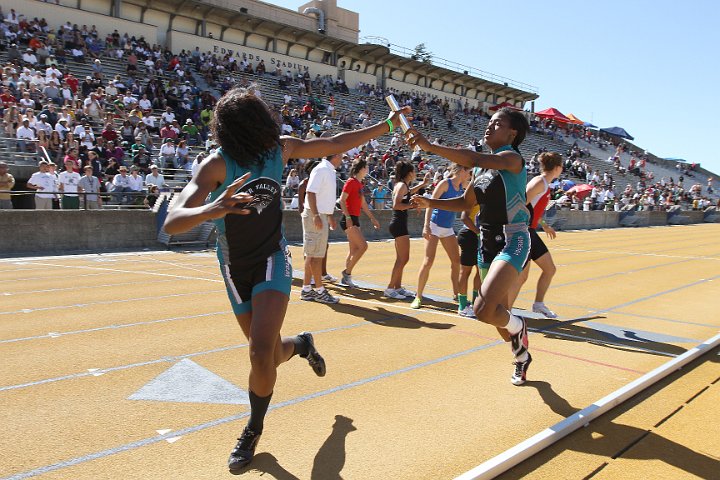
113,326
108,302
85,287
634,254
117,270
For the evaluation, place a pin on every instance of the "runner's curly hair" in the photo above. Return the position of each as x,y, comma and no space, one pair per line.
357,165
245,127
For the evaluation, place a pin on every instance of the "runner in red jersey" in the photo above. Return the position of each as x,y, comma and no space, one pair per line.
538,194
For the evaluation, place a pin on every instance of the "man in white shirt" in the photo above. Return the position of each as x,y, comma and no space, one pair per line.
61,128
168,116
25,136
68,181
317,218
42,181
29,57
43,125
121,184
155,177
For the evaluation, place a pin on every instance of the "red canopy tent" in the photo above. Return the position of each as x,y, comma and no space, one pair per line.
553,114
495,108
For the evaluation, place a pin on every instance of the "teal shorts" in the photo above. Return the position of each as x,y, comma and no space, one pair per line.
275,273
509,245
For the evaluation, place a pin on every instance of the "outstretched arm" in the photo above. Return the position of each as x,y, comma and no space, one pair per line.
321,147
457,204
507,160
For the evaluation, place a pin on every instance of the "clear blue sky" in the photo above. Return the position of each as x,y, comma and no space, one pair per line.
650,67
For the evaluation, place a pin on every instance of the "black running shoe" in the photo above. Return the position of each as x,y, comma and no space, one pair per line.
520,373
244,451
316,361
519,341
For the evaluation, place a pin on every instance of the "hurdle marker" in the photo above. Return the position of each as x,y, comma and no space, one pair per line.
526,449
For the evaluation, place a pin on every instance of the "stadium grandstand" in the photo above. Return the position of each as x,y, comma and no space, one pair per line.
130,69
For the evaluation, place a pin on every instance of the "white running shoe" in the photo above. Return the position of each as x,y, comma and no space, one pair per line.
539,307
467,312
347,280
406,293
394,293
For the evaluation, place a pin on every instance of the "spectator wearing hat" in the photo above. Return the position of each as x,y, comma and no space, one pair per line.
62,128
141,158
192,134
92,108
43,125
25,137
121,186
155,177
29,57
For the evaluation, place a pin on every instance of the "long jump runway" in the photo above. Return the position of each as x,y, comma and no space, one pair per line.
131,366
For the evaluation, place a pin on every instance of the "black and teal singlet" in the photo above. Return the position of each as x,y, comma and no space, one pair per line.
251,249
503,217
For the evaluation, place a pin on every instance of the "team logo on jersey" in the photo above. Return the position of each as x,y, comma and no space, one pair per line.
483,180
265,192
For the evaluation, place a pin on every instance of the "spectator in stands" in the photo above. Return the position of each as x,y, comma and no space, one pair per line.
7,182
25,137
167,154
141,158
44,184
121,185
152,196
182,154
291,184
68,181
191,133
379,196
155,178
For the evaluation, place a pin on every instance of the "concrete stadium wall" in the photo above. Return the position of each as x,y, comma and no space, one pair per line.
49,232
178,41
54,231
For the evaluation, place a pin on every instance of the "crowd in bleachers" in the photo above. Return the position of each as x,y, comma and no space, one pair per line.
140,106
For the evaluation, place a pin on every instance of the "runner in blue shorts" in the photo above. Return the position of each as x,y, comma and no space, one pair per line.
499,188
243,182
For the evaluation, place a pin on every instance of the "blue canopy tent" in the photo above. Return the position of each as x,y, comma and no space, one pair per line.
617,132
589,125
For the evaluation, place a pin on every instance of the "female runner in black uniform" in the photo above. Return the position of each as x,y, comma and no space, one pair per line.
404,176
243,182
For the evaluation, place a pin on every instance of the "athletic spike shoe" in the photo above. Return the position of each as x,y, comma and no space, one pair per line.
308,296
316,361
347,280
519,341
325,297
417,303
244,451
542,309
520,374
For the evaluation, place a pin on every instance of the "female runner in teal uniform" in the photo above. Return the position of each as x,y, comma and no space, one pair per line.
243,182
499,189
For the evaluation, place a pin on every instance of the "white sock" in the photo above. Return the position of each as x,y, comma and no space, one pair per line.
514,325
307,288
538,304
320,290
